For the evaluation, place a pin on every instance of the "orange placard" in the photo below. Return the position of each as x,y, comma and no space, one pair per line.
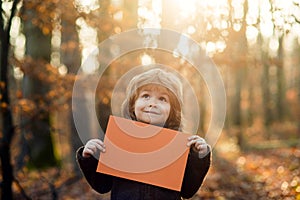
144,153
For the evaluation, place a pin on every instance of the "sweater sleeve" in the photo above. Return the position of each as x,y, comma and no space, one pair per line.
102,183
195,172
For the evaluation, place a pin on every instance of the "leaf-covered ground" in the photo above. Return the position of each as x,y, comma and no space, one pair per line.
260,175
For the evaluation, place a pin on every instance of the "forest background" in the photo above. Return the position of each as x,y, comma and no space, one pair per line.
255,45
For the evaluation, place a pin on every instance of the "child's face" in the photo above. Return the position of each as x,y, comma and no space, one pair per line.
152,105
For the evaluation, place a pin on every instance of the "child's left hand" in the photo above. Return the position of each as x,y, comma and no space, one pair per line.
198,144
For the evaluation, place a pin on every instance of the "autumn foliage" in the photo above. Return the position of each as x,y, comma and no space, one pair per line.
257,54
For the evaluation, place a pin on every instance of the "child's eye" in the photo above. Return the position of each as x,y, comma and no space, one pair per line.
145,96
163,99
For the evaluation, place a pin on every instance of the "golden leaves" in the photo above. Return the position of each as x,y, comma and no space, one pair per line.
46,30
2,84
3,105
58,88
41,14
27,106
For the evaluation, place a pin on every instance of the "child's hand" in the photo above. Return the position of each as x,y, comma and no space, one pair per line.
198,144
92,147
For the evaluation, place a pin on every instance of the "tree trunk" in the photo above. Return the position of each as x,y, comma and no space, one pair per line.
6,121
237,111
280,100
297,87
6,113
39,146
298,90
71,58
251,99
267,104
239,52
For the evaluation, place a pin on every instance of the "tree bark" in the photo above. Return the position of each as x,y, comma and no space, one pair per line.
6,122
238,51
280,100
6,113
70,57
39,146
267,104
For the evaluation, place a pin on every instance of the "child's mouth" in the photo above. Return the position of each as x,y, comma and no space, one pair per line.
151,112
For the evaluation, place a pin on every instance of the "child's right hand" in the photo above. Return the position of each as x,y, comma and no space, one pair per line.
92,147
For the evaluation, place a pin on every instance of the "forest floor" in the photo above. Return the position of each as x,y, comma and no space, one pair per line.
254,175
264,175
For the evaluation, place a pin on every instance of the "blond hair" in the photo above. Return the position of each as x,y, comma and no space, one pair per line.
158,77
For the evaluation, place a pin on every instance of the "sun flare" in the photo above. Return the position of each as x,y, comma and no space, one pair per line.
186,7
86,5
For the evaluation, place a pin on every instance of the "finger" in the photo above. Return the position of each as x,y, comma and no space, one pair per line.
98,146
90,150
200,142
96,142
100,142
197,138
200,146
190,143
87,152
193,137
203,150
191,140
197,145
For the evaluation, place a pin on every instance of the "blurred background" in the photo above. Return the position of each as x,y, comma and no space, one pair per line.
255,45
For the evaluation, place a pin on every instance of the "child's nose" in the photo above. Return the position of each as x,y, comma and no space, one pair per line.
152,102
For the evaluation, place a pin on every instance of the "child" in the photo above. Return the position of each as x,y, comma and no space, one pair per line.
153,97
